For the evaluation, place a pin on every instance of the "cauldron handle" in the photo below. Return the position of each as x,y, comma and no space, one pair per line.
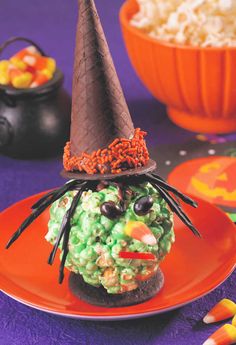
19,38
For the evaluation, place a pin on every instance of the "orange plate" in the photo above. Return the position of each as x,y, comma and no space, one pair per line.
192,269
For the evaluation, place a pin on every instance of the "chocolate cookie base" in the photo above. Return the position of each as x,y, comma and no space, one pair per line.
99,296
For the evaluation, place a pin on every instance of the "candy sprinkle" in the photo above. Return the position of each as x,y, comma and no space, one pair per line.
122,154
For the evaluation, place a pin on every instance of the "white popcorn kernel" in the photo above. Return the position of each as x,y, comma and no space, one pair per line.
180,37
225,5
194,22
214,25
173,23
195,4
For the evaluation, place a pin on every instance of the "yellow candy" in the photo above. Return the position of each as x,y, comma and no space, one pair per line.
18,63
51,65
22,81
4,75
47,73
4,78
4,64
234,321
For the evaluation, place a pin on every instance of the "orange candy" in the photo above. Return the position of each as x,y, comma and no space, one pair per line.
27,68
40,62
40,79
30,50
20,79
221,311
140,231
225,335
17,63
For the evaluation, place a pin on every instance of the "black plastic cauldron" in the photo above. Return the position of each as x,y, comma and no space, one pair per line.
34,123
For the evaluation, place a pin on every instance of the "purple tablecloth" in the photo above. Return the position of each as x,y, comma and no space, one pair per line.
52,24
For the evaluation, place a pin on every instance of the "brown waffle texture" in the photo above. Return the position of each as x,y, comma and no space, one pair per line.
99,111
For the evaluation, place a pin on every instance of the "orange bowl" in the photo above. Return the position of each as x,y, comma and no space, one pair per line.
197,84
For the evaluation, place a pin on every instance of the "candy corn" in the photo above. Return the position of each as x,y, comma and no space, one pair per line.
20,79
40,79
225,335
47,73
4,64
4,76
140,231
18,63
221,311
40,62
27,69
234,321
30,50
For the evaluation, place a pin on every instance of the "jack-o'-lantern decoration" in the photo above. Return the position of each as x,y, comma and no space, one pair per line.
210,178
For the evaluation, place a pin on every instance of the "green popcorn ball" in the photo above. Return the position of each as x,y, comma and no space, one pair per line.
96,240
107,223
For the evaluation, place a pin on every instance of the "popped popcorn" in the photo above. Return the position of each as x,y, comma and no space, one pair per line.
202,23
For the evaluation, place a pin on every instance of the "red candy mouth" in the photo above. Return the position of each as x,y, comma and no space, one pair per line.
137,256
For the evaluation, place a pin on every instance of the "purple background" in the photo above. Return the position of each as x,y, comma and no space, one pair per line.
52,25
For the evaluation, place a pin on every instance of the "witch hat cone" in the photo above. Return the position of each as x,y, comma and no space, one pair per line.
100,113
99,110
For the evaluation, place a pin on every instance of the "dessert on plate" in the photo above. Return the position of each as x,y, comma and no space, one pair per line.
113,220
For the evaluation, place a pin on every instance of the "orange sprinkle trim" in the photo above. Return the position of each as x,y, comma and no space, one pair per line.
122,154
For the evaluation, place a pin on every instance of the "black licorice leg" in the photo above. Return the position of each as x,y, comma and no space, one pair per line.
56,194
24,225
159,181
36,213
67,227
181,214
175,208
41,200
59,237
58,240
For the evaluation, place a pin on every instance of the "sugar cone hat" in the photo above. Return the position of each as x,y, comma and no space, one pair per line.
100,113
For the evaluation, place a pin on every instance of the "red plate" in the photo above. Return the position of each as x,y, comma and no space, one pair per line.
192,269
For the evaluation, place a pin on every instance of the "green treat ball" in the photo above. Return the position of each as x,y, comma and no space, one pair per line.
117,231
96,241
107,223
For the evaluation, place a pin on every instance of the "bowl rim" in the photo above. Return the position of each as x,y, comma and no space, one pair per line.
137,32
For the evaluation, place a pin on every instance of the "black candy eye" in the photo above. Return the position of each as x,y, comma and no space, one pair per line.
143,205
110,210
